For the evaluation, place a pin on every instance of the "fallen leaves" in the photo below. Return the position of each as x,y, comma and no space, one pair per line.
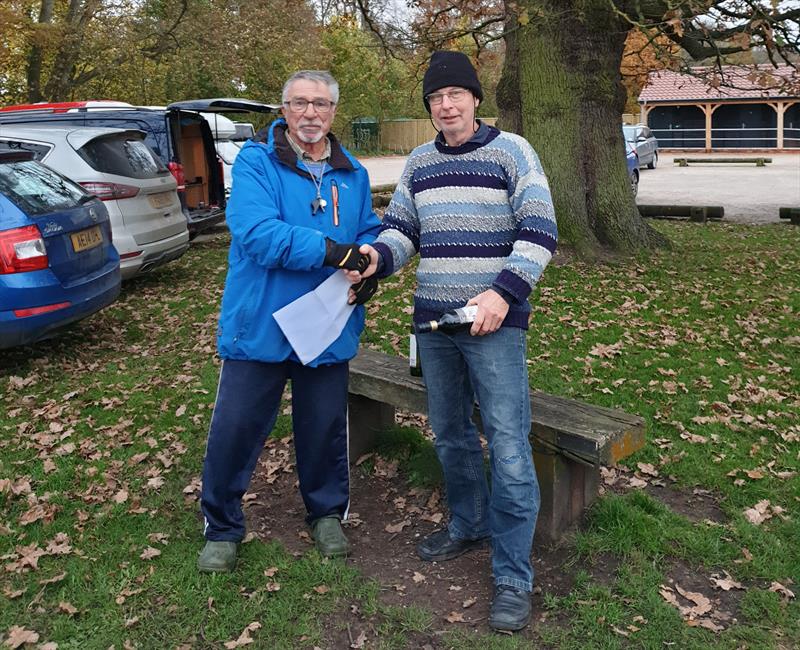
149,553
244,637
697,614
19,636
784,591
762,511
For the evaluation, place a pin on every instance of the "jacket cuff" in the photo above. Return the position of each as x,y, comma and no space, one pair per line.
385,260
510,284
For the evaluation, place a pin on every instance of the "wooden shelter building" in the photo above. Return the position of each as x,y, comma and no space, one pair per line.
735,108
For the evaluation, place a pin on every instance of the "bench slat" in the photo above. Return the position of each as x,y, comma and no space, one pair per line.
595,433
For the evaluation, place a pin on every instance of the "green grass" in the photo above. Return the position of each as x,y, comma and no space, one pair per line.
102,428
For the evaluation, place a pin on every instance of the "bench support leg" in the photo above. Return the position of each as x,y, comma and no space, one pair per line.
366,418
567,489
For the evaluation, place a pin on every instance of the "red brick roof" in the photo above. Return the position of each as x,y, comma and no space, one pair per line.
733,82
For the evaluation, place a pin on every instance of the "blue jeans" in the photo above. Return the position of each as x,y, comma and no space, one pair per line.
457,368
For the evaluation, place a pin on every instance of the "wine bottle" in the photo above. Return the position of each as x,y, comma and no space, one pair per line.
451,321
414,365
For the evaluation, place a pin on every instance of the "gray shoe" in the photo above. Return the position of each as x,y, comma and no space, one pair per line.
218,557
329,538
511,609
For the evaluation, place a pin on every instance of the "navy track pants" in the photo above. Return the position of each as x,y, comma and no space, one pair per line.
246,409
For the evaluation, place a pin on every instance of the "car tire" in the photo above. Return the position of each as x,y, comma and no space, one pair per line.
634,182
652,164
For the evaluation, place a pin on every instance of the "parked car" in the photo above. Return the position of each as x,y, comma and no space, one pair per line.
643,142
633,167
57,262
116,165
178,134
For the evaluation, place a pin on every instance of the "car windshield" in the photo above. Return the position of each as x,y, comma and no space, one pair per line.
36,189
123,155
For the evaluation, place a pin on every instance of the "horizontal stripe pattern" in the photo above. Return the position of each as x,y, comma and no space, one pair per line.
479,218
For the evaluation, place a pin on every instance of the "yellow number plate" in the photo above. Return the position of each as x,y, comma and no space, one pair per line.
86,239
160,200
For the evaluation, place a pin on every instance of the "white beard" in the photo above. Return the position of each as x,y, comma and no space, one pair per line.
310,139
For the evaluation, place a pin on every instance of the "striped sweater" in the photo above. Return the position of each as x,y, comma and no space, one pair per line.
480,216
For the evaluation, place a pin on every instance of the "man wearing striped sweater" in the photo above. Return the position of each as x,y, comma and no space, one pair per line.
475,204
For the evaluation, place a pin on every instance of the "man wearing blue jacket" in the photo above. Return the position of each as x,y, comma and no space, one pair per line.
299,210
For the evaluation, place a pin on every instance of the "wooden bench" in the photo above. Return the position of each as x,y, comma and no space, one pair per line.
759,161
790,213
570,439
700,213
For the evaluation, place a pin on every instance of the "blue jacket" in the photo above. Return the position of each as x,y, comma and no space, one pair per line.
278,246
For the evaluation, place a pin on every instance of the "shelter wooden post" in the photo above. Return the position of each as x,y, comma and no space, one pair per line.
709,109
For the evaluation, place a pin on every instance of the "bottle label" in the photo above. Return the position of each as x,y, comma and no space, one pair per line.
470,312
412,352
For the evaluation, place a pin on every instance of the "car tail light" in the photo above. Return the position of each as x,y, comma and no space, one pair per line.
127,256
22,250
33,311
176,169
109,191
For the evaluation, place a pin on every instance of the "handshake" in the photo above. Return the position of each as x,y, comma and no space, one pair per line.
354,263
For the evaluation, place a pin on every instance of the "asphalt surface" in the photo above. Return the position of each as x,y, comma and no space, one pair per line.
748,193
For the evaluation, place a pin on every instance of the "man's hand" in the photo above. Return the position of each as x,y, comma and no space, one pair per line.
362,291
345,256
373,255
492,310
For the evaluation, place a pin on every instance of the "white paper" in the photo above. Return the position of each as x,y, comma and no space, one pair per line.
315,320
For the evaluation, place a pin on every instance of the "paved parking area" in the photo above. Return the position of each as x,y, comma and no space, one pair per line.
748,193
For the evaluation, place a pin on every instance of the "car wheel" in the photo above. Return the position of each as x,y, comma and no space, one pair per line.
634,182
652,164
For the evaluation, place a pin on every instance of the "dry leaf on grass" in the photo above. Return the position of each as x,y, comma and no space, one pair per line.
149,553
455,617
418,577
778,588
244,637
18,636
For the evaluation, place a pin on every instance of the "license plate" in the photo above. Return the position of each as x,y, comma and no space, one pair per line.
160,200
86,239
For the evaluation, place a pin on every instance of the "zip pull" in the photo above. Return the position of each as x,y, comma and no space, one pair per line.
335,199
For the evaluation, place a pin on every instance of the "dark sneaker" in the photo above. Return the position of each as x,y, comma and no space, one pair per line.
511,609
218,557
439,546
329,537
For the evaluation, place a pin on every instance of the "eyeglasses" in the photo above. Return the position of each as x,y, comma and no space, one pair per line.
299,105
455,96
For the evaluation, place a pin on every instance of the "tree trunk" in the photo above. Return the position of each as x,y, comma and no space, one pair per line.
33,72
561,89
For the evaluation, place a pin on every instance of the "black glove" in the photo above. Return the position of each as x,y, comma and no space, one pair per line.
365,289
344,256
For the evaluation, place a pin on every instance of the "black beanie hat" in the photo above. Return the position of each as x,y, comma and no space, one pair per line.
450,69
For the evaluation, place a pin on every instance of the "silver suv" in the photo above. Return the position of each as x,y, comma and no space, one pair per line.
147,223
644,143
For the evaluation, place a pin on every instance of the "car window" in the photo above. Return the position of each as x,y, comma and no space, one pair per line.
630,133
37,189
227,150
123,155
38,149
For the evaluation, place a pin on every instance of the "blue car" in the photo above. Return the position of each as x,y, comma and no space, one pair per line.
57,262
633,167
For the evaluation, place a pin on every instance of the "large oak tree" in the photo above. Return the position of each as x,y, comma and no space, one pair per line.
561,85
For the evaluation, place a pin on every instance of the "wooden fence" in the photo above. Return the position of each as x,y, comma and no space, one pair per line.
402,136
